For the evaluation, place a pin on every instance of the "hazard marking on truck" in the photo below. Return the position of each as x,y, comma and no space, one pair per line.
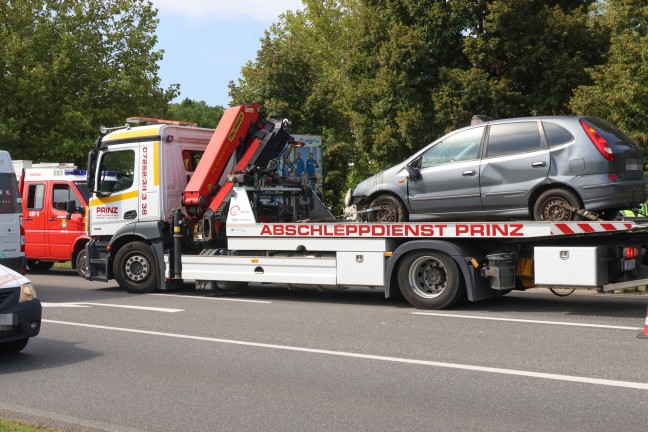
589,227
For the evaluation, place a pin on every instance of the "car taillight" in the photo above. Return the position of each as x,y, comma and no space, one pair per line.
598,141
630,252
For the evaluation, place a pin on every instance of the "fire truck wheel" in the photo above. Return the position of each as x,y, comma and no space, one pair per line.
134,268
82,263
36,265
388,208
429,280
549,206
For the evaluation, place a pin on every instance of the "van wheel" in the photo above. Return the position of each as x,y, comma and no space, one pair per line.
36,265
430,280
550,206
82,263
13,346
388,208
134,268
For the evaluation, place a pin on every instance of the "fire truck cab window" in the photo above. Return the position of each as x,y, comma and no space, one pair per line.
35,196
117,171
61,194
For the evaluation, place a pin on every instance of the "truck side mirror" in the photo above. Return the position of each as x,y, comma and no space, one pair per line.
92,163
70,207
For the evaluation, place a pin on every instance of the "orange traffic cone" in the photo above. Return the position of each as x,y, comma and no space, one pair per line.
644,335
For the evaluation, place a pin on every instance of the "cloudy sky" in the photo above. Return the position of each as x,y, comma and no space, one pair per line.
206,42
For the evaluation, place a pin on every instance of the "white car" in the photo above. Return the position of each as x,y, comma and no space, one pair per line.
20,311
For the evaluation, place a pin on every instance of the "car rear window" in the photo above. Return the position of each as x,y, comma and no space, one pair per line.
509,138
612,134
556,135
9,194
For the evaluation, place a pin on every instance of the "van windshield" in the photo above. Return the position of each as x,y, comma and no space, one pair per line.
9,194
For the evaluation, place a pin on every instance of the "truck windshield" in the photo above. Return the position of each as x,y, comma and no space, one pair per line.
9,194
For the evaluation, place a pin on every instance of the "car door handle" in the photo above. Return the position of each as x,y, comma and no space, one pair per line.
28,218
52,219
132,214
538,164
469,173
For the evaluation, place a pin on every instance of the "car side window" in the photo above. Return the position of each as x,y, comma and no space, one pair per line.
61,194
462,146
511,138
556,135
35,196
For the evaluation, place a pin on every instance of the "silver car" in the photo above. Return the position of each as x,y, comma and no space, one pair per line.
556,168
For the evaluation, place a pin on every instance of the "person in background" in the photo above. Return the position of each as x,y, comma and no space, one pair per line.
299,165
311,164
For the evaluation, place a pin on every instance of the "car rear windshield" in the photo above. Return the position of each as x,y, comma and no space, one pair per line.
9,194
612,134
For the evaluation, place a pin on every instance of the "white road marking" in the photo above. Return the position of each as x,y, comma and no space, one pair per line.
515,372
84,304
563,323
62,305
214,298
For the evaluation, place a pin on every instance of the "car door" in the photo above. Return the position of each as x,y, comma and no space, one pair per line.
61,231
449,175
34,220
516,159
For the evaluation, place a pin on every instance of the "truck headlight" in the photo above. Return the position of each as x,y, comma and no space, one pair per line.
27,292
347,197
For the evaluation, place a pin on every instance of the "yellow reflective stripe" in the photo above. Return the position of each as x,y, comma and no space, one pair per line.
109,199
133,133
156,163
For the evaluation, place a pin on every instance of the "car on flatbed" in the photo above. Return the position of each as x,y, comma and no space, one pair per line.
543,168
20,311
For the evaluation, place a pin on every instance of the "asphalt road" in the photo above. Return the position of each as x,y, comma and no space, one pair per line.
270,359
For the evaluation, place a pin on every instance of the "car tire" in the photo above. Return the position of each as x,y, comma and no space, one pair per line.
548,206
82,263
390,209
134,268
430,280
13,346
37,265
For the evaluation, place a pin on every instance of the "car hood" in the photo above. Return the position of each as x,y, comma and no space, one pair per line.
378,181
9,278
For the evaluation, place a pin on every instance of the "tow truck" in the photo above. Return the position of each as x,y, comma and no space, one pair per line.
231,220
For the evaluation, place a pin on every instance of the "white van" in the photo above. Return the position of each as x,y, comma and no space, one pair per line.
12,234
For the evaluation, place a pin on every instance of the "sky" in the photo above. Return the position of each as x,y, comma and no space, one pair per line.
207,42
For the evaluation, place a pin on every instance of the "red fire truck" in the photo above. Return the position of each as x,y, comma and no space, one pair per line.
54,200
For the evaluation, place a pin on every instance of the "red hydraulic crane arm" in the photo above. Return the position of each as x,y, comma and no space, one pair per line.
235,130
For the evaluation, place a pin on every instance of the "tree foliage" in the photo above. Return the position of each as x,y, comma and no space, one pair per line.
67,67
620,86
195,111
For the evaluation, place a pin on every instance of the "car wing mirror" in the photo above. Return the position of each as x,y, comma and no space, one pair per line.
70,207
413,172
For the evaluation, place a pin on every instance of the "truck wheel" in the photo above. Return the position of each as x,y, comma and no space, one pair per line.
13,346
36,265
134,268
549,206
429,280
388,209
82,263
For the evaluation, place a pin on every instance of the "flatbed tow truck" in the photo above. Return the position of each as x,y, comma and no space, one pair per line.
235,221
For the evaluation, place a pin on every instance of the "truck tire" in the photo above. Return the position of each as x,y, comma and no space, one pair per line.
36,265
430,280
134,268
13,346
82,263
389,209
548,206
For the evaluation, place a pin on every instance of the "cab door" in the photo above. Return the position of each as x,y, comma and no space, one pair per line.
61,232
34,216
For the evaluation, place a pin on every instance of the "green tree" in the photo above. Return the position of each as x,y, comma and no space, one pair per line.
67,67
526,57
619,91
195,111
